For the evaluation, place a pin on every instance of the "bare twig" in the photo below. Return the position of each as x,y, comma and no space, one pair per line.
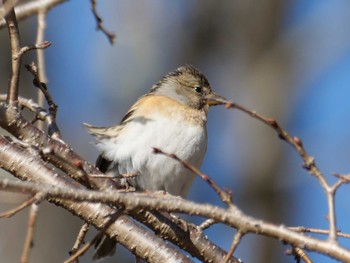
12,26
99,235
224,195
40,35
309,161
237,238
36,198
206,224
79,252
80,238
299,254
110,36
317,231
40,113
53,128
32,68
28,244
74,257
40,46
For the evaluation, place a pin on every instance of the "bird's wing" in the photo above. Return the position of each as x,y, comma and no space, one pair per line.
107,132
103,164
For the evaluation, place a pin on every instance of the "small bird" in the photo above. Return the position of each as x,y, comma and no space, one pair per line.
171,117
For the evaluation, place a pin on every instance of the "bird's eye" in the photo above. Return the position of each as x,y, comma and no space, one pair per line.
198,89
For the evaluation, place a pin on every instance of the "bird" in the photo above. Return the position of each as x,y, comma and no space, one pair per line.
172,117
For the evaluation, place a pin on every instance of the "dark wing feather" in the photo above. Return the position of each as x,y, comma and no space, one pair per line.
103,164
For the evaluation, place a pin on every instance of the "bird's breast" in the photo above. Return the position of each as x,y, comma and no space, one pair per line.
172,130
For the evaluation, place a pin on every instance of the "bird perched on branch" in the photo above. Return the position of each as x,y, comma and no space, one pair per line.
171,117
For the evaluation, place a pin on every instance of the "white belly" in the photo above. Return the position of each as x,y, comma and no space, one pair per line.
132,150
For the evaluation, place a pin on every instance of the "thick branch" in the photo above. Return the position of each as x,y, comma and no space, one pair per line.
31,8
63,157
232,217
6,6
24,165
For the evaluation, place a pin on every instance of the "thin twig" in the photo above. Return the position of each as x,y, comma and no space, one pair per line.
309,161
40,46
12,26
32,68
207,223
80,239
317,231
40,113
40,54
237,238
224,195
99,235
110,36
40,36
53,128
28,244
22,206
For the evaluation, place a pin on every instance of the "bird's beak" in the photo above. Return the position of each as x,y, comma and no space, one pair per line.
214,99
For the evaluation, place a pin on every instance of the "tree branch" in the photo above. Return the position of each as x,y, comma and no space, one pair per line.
12,26
232,216
110,36
31,8
21,163
6,7
22,206
28,244
61,156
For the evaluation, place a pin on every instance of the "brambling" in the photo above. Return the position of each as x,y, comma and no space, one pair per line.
171,117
